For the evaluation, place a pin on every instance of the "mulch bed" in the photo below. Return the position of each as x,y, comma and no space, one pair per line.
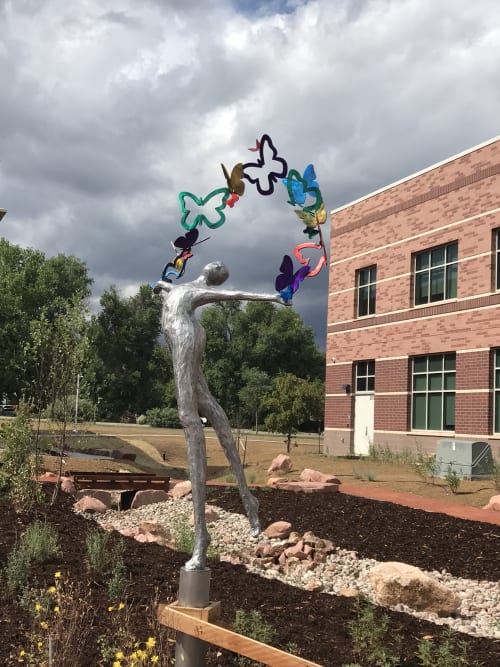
315,622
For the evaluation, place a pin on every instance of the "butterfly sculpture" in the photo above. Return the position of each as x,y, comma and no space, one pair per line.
302,187
312,220
235,183
287,282
182,245
268,169
208,210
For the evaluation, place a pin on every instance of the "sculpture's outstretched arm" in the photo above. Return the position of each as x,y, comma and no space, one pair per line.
212,295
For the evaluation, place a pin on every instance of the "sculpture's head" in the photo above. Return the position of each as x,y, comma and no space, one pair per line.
215,273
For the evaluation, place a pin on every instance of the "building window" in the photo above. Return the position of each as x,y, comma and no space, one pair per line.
436,274
365,375
433,392
366,290
496,262
496,407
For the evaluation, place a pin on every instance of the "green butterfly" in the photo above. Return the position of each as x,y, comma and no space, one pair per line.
199,210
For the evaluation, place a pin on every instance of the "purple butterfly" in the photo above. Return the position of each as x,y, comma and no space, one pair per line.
182,246
287,282
268,169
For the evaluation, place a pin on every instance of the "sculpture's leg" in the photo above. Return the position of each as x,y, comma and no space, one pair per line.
197,459
217,417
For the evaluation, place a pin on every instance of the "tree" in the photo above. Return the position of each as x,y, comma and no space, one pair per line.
291,402
262,336
257,385
30,283
128,367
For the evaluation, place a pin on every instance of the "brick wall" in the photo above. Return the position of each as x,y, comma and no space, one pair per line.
455,201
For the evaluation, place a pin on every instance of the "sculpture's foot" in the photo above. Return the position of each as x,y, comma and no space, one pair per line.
198,560
252,508
196,563
255,528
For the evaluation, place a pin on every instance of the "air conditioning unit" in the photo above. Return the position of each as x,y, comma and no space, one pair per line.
469,459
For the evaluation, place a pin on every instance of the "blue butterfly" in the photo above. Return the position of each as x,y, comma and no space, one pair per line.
298,189
268,169
287,282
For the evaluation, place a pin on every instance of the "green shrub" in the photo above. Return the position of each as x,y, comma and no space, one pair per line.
17,569
118,581
371,639
426,467
452,479
251,624
141,419
450,652
163,418
41,542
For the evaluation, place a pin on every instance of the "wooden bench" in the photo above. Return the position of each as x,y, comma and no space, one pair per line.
128,481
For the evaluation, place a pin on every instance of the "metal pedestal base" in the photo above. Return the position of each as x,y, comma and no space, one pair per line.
194,591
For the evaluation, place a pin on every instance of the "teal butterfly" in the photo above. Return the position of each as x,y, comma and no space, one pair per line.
199,210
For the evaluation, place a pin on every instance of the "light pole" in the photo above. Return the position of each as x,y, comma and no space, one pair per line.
76,400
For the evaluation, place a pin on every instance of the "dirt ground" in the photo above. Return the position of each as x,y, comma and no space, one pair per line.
164,451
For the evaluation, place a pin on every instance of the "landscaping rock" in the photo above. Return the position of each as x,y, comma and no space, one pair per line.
103,496
210,516
154,532
181,489
493,504
68,485
278,529
398,583
148,497
48,478
306,487
91,505
309,475
282,463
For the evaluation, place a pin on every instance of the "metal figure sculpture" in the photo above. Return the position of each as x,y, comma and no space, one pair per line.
186,339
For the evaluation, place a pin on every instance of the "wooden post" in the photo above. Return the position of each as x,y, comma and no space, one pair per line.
196,622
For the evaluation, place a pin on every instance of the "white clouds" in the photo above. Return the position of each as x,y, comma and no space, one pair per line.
110,109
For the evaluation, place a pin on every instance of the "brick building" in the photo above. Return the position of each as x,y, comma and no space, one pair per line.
413,343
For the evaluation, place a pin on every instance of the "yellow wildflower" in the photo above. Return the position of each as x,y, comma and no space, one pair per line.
117,663
119,655
121,605
56,609
154,658
57,575
151,642
40,644
141,654
22,652
52,589
38,607
110,608
44,625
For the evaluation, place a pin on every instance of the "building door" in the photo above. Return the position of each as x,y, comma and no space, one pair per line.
364,413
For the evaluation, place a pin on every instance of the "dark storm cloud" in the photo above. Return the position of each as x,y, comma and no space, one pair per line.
113,108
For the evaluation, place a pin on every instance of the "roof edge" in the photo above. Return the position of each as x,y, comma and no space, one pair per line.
417,173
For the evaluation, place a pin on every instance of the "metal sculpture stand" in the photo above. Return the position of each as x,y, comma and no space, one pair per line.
194,592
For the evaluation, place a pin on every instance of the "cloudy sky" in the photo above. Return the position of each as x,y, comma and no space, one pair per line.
110,108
